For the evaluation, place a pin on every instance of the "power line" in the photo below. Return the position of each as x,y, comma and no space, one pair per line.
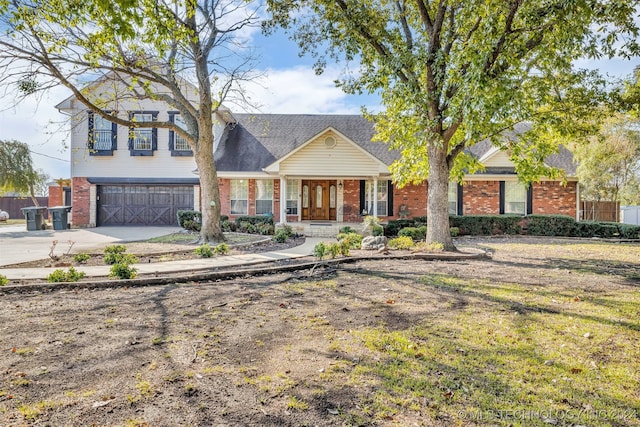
46,155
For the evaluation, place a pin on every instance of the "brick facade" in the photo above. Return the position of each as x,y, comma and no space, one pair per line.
552,198
55,195
351,200
414,197
225,199
481,197
81,190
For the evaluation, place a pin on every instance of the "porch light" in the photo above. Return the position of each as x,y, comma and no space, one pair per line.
340,185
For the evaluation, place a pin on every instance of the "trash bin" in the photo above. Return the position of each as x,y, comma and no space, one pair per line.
33,215
59,217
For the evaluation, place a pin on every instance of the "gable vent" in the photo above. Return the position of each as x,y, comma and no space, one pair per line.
330,142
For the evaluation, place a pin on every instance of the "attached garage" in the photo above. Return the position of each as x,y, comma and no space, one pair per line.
142,204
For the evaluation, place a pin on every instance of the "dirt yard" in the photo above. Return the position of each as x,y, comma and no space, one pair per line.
550,327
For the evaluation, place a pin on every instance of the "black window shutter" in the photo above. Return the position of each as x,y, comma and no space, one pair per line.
91,139
389,198
501,197
460,200
114,136
171,133
530,199
154,133
362,187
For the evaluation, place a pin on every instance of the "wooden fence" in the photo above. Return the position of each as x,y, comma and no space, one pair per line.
599,211
12,205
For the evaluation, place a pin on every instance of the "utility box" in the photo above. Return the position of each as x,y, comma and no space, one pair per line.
34,216
59,217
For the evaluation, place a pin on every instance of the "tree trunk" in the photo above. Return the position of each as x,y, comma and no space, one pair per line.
437,199
211,230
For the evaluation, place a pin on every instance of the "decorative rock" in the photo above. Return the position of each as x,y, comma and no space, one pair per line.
4,216
374,242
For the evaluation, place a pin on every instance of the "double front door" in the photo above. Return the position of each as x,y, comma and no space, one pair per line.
319,199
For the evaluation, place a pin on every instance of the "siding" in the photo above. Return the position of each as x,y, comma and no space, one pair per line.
344,159
499,160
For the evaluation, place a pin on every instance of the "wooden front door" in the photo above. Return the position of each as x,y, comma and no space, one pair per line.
319,200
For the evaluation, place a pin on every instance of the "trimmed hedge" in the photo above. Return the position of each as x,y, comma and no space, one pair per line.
255,219
190,219
533,225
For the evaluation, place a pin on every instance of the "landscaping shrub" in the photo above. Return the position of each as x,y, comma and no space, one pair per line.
265,229
401,242
80,258
394,226
346,230
246,227
415,233
320,250
629,231
221,249
190,220
586,229
255,219
550,225
280,236
204,251
377,230
3,280
420,220
122,271
334,249
72,275
487,224
455,231
353,240
112,254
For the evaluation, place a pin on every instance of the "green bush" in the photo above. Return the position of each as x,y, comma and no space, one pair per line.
345,247
476,225
415,233
246,227
377,230
80,258
402,242
334,249
255,219
265,229
549,225
122,271
320,250
72,275
394,226
420,220
3,280
281,236
113,254
455,231
204,251
221,249
346,230
629,231
189,219
353,240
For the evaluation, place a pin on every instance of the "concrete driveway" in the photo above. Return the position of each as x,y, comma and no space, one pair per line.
18,245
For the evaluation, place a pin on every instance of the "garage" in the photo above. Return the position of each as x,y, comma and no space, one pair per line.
142,204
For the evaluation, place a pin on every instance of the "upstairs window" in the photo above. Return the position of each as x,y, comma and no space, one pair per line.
143,141
177,144
103,134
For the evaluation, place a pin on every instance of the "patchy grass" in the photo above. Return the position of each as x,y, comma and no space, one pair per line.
13,222
191,238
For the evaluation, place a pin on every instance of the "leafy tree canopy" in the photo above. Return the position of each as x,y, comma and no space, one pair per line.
189,54
17,173
452,74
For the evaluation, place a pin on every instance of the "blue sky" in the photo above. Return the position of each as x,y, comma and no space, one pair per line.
289,86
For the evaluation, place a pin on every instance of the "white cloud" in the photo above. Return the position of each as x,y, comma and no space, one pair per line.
299,90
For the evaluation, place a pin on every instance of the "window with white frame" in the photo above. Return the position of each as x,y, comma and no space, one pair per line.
382,195
292,197
239,196
143,141
515,198
453,198
264,196
177,144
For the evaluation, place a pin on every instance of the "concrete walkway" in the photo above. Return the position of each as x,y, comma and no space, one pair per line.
177,266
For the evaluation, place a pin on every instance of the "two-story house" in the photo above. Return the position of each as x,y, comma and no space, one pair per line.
297,167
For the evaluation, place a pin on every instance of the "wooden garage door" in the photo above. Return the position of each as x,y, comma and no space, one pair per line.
142,204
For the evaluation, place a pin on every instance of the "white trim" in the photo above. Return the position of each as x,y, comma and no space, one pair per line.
275,166
283,200
489,154
578,202
509,177
243,175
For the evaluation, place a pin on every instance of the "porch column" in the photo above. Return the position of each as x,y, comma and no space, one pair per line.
283,200
375,197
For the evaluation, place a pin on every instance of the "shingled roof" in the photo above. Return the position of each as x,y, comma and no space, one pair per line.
257,140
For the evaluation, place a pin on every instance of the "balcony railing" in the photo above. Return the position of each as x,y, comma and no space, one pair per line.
102,139
143,139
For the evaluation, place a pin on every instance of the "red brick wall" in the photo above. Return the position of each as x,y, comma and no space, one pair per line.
551,197
81,202
413,196
481,197
55,196
351,200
